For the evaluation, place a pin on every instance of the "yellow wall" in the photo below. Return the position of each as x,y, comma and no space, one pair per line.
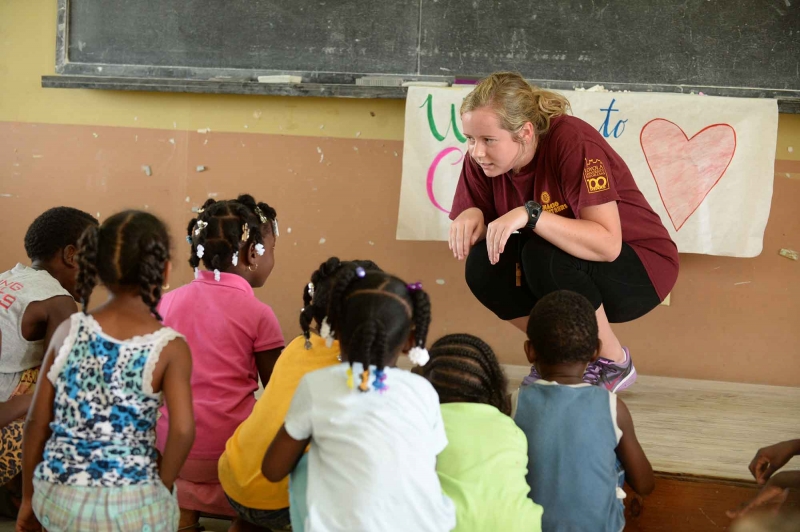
27,37
713,329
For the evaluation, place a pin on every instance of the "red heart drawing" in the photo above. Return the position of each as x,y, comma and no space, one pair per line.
686,169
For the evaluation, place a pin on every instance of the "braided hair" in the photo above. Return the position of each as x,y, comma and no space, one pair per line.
372,314
464,369
220,226
130,249
315,307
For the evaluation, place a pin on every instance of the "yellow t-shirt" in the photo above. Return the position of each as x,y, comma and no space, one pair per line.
240,464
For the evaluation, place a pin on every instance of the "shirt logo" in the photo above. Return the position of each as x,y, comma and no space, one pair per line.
545,197
594,173
6,299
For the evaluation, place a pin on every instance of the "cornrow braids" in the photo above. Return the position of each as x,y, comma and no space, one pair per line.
464,369
130,249
87,265
422,315
194,260
315,307
223,228
372,314
260,209
155,255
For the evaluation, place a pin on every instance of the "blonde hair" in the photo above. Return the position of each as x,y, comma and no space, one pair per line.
516,102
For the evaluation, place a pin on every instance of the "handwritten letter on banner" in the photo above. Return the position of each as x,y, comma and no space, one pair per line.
705,164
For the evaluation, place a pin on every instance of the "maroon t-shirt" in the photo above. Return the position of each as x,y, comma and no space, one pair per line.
574,167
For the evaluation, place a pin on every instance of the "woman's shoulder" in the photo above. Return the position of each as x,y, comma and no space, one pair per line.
571,129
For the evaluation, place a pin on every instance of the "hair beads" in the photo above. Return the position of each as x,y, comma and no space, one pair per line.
364,386
380,381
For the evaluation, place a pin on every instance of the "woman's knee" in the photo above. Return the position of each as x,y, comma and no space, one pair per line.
548,268
538,254
477,265
538,261
495,285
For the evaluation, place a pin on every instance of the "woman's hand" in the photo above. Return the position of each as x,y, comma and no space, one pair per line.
498,231
465,230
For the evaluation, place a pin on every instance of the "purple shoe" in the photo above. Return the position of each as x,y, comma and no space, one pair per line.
610,375
533,377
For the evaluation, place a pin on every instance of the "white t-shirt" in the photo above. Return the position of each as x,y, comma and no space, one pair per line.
372,462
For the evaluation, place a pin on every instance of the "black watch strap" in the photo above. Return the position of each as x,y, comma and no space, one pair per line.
534,211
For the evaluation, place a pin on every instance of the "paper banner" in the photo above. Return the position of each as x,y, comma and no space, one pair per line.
705,164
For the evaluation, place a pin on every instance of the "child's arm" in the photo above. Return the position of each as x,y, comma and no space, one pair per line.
773,494
176,385
265,362
37,429
14,408
770,459
58,310
285,450
282,456
638,471
51,313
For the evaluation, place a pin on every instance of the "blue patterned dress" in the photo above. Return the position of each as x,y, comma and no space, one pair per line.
102,447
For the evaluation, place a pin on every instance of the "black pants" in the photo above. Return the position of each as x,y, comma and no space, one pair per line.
622,287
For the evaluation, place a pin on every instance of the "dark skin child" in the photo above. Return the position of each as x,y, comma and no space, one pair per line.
638,471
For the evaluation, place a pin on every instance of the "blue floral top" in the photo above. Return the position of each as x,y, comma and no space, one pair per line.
104,413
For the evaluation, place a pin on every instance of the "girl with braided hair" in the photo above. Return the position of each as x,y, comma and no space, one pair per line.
483,467
255,499
90,461
235,338
374,430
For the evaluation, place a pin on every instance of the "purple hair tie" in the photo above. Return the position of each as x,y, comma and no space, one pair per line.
414,287
360,272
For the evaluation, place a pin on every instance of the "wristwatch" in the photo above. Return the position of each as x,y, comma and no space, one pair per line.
534,211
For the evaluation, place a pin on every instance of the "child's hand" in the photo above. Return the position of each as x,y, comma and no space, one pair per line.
26,519
770,459
769,496
773,494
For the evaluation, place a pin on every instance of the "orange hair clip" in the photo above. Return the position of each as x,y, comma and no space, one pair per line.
364,386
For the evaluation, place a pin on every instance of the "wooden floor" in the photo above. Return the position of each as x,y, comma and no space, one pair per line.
688,504
706,428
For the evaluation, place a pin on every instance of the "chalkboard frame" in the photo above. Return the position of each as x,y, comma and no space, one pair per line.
105,76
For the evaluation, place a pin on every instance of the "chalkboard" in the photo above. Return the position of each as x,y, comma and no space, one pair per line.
720,43
329,36
725,47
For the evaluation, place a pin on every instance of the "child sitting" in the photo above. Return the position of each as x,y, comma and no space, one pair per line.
234,337
91,428
484,465
34,301
581,443
257,500
374,430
